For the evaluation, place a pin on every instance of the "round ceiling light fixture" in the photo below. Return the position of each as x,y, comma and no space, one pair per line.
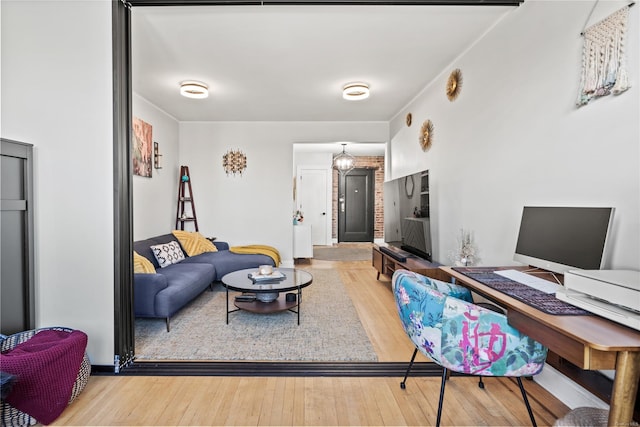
194,89
355,91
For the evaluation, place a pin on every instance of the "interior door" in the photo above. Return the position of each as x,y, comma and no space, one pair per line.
313,199
356,206
16,227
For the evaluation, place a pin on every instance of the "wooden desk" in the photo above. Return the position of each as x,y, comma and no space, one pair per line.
589,342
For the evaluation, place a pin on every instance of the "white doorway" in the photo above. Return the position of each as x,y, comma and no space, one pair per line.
314,200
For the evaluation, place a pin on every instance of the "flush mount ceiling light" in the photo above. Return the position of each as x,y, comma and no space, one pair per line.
194,89
355,91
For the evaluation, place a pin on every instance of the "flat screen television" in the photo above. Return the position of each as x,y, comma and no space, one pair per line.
406,214
559,239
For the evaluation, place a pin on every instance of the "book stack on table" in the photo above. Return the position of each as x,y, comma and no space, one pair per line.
275,276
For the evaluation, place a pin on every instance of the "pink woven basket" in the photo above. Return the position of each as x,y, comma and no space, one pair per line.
14,417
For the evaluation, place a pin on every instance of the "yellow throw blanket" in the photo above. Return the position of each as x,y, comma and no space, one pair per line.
258,249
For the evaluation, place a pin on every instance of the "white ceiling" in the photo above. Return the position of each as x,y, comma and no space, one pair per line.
289,63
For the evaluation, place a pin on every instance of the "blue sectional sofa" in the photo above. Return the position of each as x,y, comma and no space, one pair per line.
162,294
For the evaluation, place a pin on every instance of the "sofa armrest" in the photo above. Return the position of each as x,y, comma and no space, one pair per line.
222,246
145,288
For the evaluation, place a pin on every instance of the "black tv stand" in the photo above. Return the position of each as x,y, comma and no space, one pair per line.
395,253
416,252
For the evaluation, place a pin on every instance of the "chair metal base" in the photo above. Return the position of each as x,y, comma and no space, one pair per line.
403,386
404,380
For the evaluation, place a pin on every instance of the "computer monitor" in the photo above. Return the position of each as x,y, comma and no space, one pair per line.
559,239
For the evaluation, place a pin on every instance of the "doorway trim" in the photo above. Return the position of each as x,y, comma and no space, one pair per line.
122,113
124,346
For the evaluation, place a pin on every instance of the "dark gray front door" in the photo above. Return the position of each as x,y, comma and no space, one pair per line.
355,206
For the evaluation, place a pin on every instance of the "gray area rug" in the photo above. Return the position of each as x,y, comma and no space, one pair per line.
337,253
329,329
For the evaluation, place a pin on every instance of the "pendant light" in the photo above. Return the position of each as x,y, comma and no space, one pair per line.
344,162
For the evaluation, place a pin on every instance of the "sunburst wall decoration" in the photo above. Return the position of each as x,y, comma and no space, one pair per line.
426,135
454,84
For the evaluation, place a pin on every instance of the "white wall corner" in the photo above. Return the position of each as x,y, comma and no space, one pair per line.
567,391
287,263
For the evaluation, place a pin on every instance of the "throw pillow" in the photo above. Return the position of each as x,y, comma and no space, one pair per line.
168,253
194,243
141,264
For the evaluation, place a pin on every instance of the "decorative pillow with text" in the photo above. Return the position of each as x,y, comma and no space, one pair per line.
168,253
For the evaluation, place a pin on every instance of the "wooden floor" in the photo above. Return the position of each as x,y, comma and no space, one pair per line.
263,401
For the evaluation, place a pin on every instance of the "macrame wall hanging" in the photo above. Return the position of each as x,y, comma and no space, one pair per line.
604,58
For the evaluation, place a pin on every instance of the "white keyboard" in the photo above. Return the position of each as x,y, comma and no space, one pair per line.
526,279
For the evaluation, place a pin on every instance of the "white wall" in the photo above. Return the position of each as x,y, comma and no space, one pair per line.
514,136
155,198
302,158
256,207
56,85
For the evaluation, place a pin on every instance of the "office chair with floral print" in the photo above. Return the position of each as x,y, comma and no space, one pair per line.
461,336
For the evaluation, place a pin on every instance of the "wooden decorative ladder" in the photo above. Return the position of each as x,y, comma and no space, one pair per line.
185,196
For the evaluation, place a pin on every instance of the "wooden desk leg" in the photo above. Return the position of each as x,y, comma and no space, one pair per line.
625,388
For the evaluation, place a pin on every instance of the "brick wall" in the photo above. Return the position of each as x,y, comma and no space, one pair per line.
369,162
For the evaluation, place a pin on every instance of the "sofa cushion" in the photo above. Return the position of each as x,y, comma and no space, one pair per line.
141,264
186,282
225,261
221,246
193,242
167,253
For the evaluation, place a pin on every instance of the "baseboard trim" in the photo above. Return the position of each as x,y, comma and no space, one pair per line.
289,369
102,369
